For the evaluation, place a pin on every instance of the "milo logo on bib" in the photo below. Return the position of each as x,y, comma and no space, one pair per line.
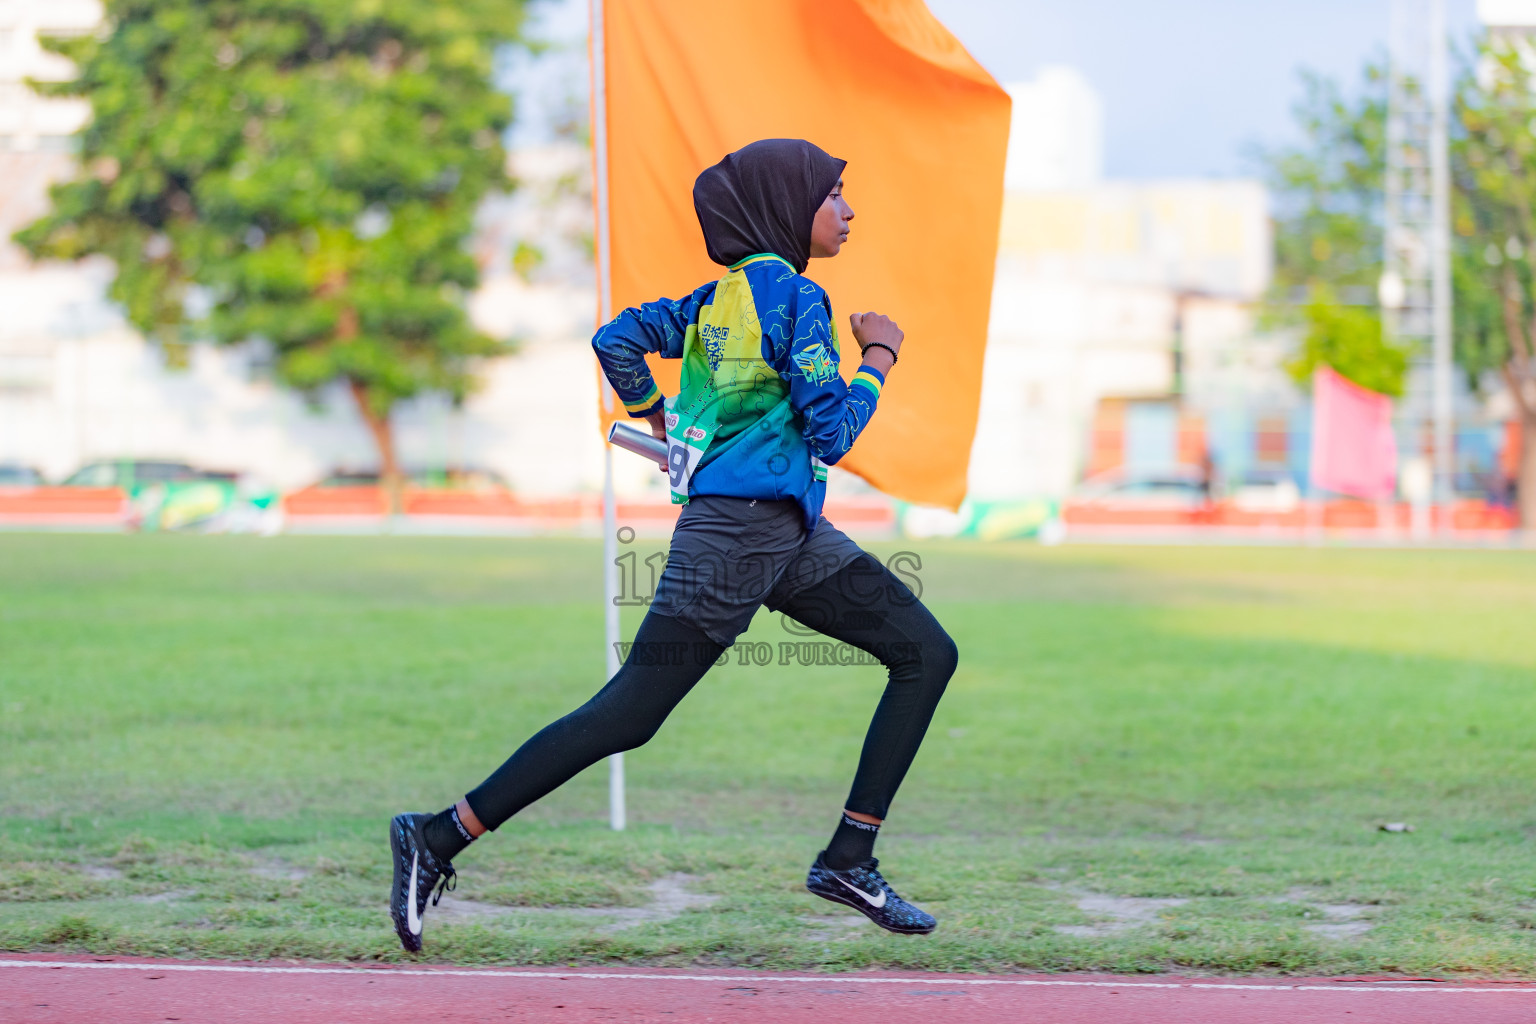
687,440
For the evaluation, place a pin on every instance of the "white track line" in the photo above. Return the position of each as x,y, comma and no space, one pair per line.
823,979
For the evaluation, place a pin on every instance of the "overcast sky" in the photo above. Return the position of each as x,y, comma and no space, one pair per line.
1187,85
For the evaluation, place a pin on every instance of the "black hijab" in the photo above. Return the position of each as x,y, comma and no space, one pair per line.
764,198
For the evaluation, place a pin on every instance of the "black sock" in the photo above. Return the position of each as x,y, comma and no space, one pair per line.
446,834
852,843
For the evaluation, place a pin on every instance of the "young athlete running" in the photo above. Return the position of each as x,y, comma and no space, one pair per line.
761,412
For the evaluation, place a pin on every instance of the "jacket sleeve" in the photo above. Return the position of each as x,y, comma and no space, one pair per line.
834,413
622,344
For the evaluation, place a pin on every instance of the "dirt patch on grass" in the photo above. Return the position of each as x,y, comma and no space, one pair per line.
670,897
1342,921
1117,914
277,868
836,927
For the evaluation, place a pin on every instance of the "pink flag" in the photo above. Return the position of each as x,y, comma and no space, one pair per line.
1353,450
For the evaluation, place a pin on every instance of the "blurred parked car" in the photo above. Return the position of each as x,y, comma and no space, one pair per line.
130,474
14,474
437,491
168,495
1265,491
1176,496
1178,487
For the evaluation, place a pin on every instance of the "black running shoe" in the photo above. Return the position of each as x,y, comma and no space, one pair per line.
862,888
416,872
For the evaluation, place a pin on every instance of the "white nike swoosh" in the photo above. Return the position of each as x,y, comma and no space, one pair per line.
413,919
877,903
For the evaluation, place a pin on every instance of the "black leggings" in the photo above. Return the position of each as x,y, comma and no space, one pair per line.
864,605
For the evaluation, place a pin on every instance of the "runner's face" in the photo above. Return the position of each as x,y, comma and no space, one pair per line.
830,229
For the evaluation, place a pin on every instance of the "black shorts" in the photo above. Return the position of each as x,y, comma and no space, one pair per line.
731,555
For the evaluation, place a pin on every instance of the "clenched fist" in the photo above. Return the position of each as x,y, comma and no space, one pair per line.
877,329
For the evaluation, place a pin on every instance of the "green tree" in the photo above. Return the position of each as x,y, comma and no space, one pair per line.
1349,339
1493,163
300,171
1328,236
1328,193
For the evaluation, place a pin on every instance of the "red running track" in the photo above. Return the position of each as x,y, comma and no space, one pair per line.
54,990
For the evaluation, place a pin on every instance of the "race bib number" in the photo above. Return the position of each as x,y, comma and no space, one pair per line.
818,469
687,441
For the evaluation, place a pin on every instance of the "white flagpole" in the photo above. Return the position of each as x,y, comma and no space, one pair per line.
611,631
616,816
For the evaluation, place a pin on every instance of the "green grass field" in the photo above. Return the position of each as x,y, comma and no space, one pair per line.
1150,759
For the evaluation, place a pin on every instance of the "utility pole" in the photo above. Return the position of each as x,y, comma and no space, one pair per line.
1415,288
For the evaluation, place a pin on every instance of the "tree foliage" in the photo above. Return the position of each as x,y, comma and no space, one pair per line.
300,171
1349,339
1494,221
1328,191
1328,234
1494,229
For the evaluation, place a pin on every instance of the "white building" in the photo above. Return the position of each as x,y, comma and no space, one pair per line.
1507,14
1095,280
1057,136
28,122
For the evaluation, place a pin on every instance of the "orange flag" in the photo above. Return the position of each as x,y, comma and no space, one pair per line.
879,83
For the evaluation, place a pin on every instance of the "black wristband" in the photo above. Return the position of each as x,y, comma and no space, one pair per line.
876,344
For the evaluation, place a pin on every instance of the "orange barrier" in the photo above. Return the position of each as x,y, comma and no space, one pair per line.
1479,515
368,502
108,507
1351,515
1343,515
461,503
63,506
336,501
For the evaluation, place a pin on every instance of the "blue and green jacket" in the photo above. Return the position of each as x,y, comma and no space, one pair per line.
760,350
